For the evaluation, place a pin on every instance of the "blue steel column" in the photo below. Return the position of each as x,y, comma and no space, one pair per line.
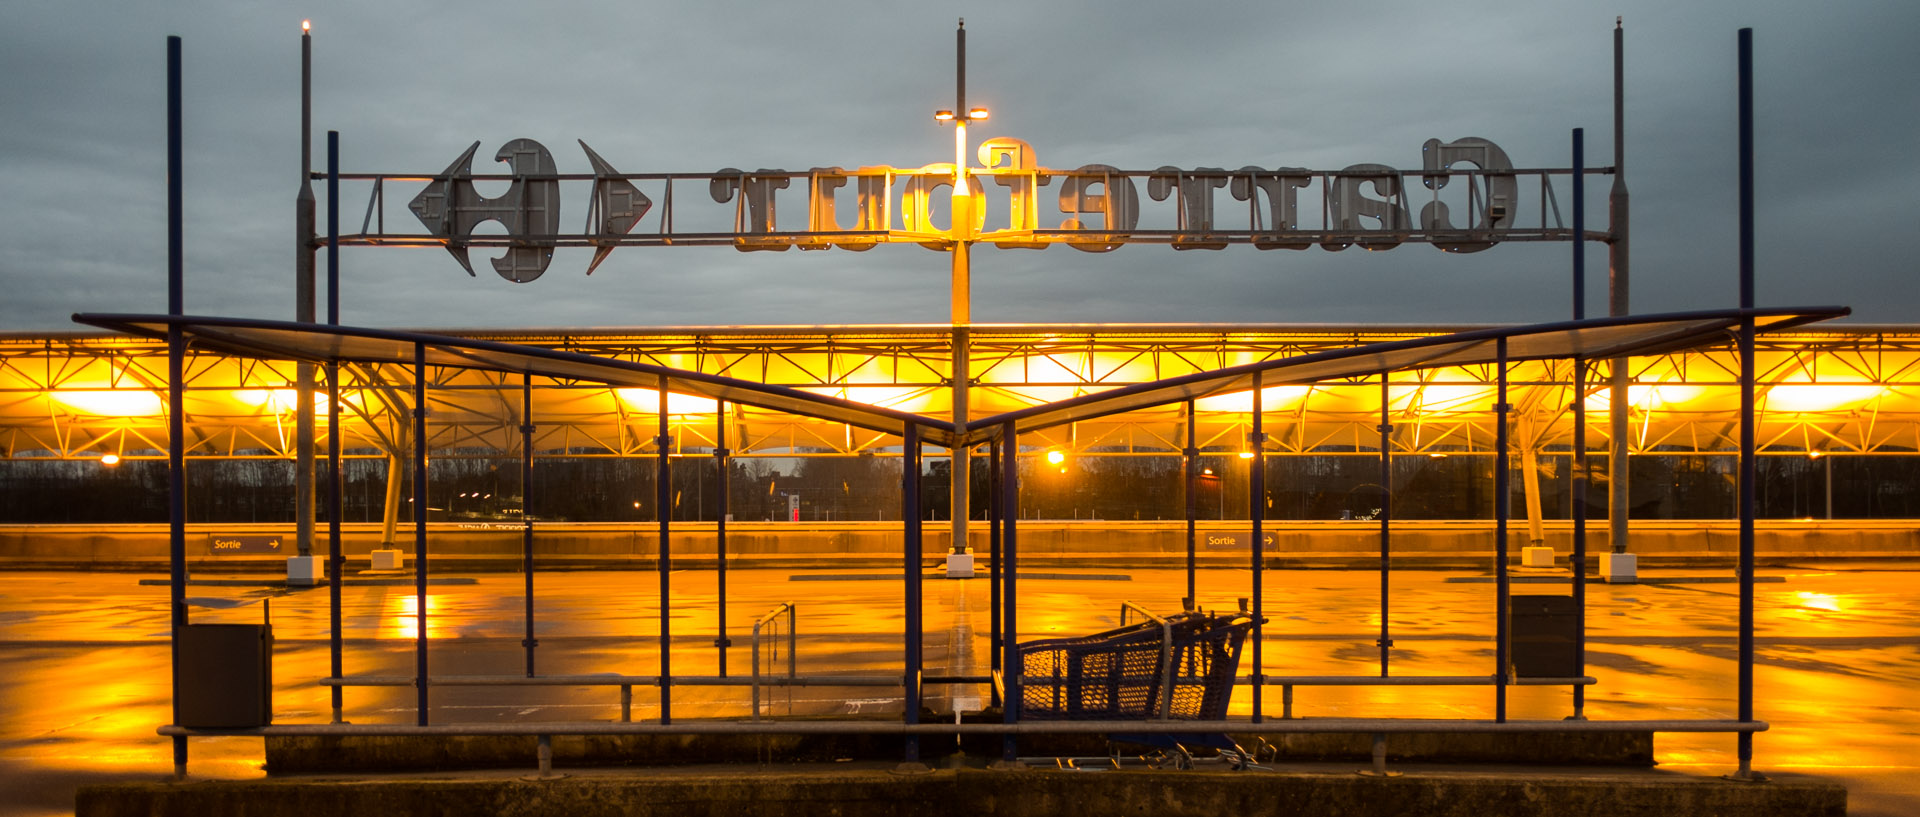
663,512
1010,637
1257,510
725,480
336,552
1500,507
526,508
420,525
1746,403
176,403
1579,424
996,511
1386,518
1191,466
910,527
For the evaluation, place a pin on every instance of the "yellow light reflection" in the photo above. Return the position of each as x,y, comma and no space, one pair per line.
1276,398
648,400
1658,395
1819,397
1818,601
401,617
279,400
903,398
112,403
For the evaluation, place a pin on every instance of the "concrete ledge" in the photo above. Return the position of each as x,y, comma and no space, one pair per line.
865,791
315,754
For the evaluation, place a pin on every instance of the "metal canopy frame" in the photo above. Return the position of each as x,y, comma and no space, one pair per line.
319,343
1591,339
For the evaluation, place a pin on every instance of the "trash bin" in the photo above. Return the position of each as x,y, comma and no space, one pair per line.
1540,632
226,675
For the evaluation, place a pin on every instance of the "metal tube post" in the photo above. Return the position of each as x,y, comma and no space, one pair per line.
336,550
526,508
303,285
1191,466
420,524
910,524
176,393
1579,423
1617,306
1745,749
725,484
1010,500
663,512
1500,507
996,513
1257,511
1386,517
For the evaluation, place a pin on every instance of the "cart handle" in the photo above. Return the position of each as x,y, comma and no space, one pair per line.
1166,654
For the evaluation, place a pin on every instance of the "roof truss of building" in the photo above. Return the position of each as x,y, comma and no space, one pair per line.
1090,389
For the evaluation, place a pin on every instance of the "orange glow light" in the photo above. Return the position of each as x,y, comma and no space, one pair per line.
110,460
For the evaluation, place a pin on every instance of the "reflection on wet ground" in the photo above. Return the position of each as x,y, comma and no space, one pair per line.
87,679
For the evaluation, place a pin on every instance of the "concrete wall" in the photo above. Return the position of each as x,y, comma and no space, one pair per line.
868,543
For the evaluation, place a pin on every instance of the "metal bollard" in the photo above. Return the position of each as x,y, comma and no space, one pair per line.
1286,701
626,703
546,756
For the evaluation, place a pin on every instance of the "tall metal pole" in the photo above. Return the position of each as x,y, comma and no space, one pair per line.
1579,424
725,484
910,522
1257,511
663,504
420,525
176,392
1745,771
1501,501
336,549
1010,637
961,297
303,285
1618,472
1191,465
526,509
1386,517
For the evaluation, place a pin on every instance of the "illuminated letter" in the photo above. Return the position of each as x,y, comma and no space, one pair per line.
1494,212
1348,206
1283,203
754,214
1017,169
916,196
1118,204
1196,203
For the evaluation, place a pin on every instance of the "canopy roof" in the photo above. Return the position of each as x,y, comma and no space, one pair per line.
1593,339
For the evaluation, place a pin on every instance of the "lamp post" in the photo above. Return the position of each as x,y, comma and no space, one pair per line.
959,556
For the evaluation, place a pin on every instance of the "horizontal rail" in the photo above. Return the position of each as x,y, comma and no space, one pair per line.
888,680
636,680
1411,680
720,727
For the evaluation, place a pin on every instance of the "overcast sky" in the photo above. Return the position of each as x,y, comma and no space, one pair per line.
697,87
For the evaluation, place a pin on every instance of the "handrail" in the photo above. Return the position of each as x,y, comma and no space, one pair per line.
1166,654
792,660
851,727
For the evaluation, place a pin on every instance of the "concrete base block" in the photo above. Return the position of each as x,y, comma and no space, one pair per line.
388,560
960,565
1617,567
1536,557
306,570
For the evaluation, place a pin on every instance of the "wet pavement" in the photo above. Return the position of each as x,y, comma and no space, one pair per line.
86,679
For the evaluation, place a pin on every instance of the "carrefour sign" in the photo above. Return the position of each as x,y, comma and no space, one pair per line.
1464,198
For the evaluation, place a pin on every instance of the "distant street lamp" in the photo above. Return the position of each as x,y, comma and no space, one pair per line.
110,460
